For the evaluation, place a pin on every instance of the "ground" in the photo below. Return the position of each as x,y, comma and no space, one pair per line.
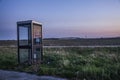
12,75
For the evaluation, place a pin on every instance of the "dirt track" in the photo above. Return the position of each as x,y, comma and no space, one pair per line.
12,75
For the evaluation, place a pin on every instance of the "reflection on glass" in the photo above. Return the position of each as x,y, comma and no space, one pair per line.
37,40
24,55
37,52
23,35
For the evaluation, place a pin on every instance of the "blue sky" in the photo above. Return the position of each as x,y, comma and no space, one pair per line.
62,18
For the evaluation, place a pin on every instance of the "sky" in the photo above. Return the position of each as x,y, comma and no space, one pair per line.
62,18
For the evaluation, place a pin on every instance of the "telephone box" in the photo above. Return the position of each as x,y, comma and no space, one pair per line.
29,36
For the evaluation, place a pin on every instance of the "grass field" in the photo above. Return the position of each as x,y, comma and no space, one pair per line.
72,63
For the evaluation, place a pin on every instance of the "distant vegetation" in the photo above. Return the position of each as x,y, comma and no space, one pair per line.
81,41
8,42
70,42
72,63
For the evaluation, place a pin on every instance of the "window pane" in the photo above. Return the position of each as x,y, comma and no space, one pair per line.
37,40
37,34
23,35
24,55
37,52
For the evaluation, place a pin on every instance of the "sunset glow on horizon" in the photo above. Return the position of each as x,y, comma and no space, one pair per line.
63,18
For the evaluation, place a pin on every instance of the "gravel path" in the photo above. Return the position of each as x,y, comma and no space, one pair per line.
12,75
